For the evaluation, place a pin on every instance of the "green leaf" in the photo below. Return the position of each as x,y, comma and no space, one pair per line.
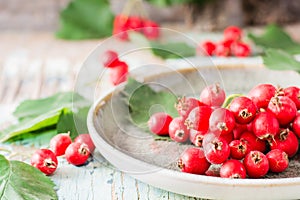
275,37
280,60
172,50
143,100
83,19
21,181
229,99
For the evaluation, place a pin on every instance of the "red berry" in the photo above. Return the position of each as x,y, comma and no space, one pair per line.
196,137
59,143
254,142
159,123
216,149
198,118
228,137
256,164
232,33
294,94
238,130
283,108
110,59
184,105
207,47
151,29
278,160
86,139
178,131
213,95
192,160
296,125
118,74
221,121
241,49
287,141
262,94
233,169
77,153
265,126
44,160
239,149
135,23
243,109
223,48
120,27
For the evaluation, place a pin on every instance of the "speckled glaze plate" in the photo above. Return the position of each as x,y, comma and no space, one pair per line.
154,162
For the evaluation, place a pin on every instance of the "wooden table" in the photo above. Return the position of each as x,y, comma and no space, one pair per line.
34,65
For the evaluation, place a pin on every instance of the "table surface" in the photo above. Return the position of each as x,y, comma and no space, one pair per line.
34,65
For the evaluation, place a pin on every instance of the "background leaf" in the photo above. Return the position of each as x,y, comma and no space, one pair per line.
19,180
84,19
172,50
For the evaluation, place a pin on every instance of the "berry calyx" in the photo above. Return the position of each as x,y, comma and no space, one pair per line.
278,160
196,137
86,139
159,123
213,95
178,131
216,149
239,149
221,121
243,109
77,153
44,160
233,169
59,143
256,164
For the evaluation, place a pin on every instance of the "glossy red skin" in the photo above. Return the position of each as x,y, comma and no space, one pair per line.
254,142
241,49
223,49
294,94
283,108
254,168
207,47
110,59
239,149
238,130
265,125
119,73
178,131
216,149
233,169
221,121
198,118
120,27
151,30
228,137
287,141
184,105
135,23
262,94
59,143
86,139
213,95
196,137
241,104
77,153
296,125
278,160
159,123
193,161
41,157
232,33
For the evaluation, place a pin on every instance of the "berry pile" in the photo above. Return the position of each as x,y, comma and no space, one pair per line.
76,153
253,135
118,69
124,23
231,45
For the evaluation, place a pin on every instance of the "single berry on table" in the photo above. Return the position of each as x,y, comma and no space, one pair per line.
159,123
44,160
278,160
256,164
86,139
233,169
59,143
77,153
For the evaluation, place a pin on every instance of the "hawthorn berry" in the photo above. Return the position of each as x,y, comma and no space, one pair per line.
151,29
118,74
198,118
213,95
178,131
223,48
256,164
184,105
159,123
240,49
296,125
265,126
44,160
77,153
233,169
110,59
196,137
243,109
239,149
86,139
254,142
59,143
262,94
221,121
208,47
192,160
120,27
294,94
135,23
232,33
278,160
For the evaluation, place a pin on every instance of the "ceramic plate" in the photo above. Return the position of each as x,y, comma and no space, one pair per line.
135,151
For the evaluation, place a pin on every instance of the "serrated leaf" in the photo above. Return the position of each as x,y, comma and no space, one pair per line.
277,59
19,181
141,98
83,19
275,37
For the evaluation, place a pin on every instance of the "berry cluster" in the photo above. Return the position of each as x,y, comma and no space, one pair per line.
118,69
254,134
231,45
123,23
76,153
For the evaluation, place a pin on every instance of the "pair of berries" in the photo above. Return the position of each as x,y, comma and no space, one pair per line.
124,23
231,45
118,69
76,153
